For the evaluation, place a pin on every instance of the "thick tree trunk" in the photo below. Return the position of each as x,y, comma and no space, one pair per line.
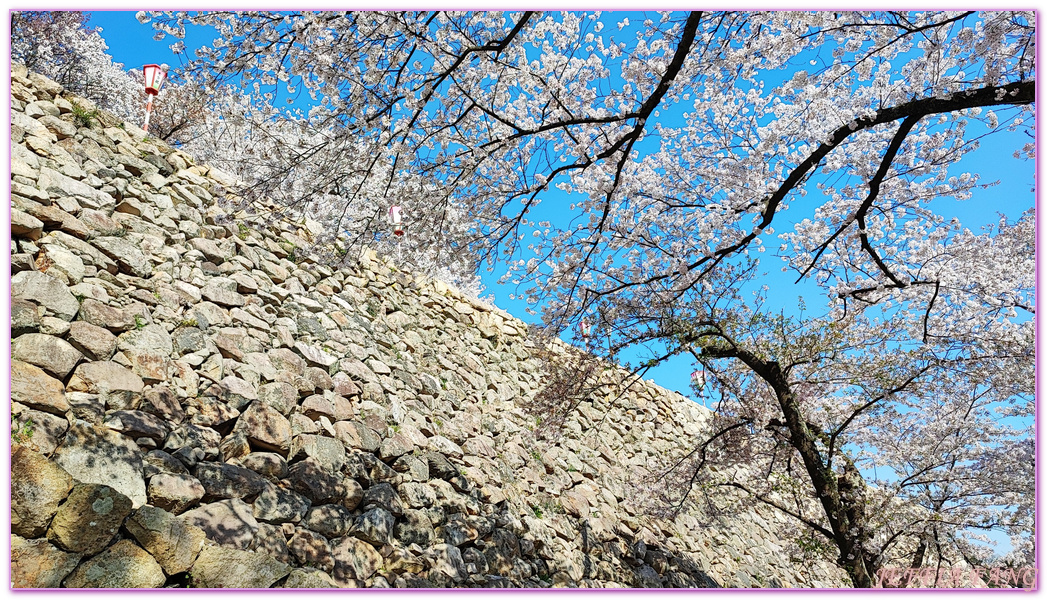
841,499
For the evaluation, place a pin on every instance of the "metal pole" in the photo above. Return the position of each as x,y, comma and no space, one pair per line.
148,112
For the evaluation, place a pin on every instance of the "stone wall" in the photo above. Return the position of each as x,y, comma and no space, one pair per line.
195,403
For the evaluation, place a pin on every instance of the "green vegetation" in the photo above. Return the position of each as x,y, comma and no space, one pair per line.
83,117
140,322
24,434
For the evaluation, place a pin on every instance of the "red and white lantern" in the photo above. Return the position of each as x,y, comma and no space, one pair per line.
154,78
155,75
698,379
585,328
396,219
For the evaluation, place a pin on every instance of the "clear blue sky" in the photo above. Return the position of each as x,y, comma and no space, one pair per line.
132,43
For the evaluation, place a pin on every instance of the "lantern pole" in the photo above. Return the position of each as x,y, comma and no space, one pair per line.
395,217
148,112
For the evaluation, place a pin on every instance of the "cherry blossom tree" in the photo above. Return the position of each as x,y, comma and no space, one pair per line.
62,46
683,141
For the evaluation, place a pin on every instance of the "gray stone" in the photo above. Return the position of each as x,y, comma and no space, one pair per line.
354,560
174,543
230,523
174,492
219,567
210,250
107,317
101,455
328,452
267,464
38,564
45,291
31,386
54,355
25,226
357,435
312,480
382,495
277,505
315,355
447,561
89,518
96,343
124,565
61,129
158,461
65,262
37,487
311,549
76,193
223,480
236,392
137,424
414,527
126,254
286,360
188,339
25,317
188,435
270,540
418,495
119,387
308,578
150,337
375,526
38,430
221,296
265,428
163,403
395,447
331,520
280,395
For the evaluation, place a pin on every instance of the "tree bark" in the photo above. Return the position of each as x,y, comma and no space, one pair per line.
841,500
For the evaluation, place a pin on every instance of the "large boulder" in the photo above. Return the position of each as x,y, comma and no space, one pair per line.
94,342
38,564
328,452
126,254
219,567
89,518
223,480
313,481
118,386
124,565
278,505
94,454
47,292
230,523
37,487
174,543
265,428
308,578
175,492
354,560
54,355
31,386
375,526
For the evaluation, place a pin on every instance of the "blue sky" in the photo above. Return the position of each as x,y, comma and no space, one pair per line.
132,43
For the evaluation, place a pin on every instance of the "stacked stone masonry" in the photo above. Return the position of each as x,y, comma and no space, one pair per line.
196,404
